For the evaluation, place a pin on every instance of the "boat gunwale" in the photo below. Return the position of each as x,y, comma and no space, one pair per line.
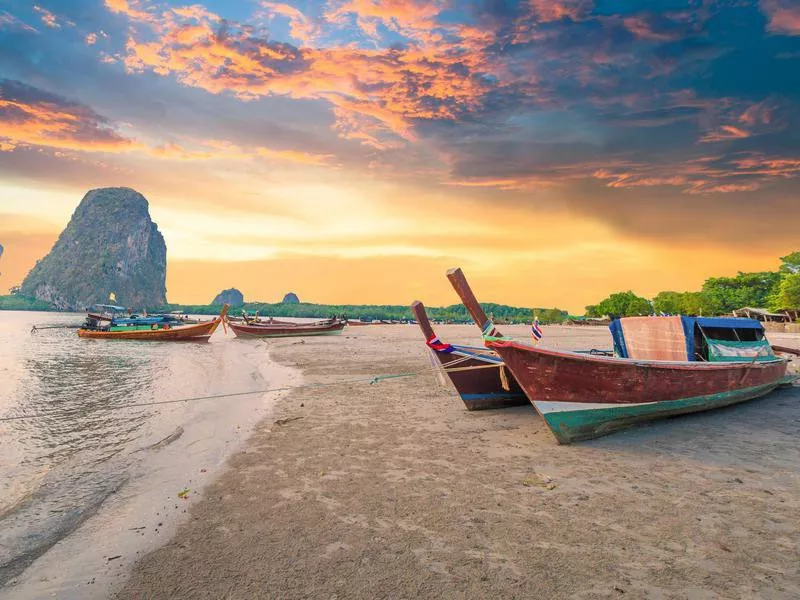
617,360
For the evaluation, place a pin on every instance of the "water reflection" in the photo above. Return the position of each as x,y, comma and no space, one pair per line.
58,466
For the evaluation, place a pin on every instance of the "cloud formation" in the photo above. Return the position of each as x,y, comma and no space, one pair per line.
596,107
31,117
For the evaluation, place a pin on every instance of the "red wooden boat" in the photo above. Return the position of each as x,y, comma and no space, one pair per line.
287,329
163,332
582,397
483,383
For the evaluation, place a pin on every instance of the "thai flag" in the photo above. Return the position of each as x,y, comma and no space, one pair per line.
436,344
536,331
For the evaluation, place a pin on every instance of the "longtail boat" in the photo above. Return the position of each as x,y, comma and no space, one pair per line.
287,329
159,330
357,323
478,374
663,366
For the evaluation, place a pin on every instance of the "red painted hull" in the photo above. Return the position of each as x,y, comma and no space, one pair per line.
584,397
286,330
568,377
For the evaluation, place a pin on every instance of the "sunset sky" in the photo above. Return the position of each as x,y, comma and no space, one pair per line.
353,150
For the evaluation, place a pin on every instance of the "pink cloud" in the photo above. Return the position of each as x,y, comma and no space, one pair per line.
783,16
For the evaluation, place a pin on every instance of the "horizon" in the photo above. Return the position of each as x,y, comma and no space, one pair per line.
352,152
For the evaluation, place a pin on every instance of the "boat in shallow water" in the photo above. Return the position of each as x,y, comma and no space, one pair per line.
151,329
477,374
267,328
663,366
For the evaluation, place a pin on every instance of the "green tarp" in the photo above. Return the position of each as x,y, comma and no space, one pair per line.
727,351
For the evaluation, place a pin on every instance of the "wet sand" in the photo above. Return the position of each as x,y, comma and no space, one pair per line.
75,532
394,490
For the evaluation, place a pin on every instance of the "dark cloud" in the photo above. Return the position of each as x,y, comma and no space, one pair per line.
689,105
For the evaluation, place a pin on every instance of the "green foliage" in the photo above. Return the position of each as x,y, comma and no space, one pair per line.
593,312
725,294
548,316
20,302
719,295
790,263
624,304
788,292
455,312
668,302
682,303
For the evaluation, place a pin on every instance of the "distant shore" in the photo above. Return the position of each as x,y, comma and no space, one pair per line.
395,490
365,312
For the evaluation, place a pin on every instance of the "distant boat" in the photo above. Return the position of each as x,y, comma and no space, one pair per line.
480,388
663,366
151,329
357,323
267,328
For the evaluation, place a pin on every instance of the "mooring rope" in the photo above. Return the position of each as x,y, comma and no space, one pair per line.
369,380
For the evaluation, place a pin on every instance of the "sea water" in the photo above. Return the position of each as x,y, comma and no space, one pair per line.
89,480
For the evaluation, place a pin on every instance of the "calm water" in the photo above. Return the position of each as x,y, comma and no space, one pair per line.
84,442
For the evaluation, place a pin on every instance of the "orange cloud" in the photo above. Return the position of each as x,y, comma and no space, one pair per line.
301,27
555,10
783,16
131,9
390,88
47,17
725,133
306,158
9,21
409,17
47,123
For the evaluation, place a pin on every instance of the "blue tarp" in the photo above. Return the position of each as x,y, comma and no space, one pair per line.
726,322
620,349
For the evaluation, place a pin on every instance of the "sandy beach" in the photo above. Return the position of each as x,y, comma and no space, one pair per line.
394,490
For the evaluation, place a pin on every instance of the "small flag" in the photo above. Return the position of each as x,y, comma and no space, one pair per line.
436,344
536,331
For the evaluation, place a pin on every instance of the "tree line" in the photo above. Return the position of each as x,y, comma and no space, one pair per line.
774,290
455,313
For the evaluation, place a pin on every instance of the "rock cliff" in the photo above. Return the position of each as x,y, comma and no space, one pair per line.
232,296
110,251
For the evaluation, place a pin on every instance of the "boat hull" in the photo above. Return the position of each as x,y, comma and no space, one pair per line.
195,333
479,384
284,330
199,332
584,397
477,378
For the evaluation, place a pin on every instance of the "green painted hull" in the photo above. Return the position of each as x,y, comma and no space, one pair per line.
576,425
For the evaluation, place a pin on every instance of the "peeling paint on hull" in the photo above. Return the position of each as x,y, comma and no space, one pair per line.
577,425
583,397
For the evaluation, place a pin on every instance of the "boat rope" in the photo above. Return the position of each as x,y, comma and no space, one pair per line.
368,380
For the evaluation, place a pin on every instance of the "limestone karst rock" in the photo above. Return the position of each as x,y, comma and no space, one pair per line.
230,296
111,251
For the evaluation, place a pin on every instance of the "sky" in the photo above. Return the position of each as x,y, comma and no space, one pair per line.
351,151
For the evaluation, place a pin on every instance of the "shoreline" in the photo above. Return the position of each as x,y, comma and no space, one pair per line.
94,558
394,489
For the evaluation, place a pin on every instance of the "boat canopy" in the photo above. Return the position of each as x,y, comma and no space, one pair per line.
680,338
109,307
143,320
